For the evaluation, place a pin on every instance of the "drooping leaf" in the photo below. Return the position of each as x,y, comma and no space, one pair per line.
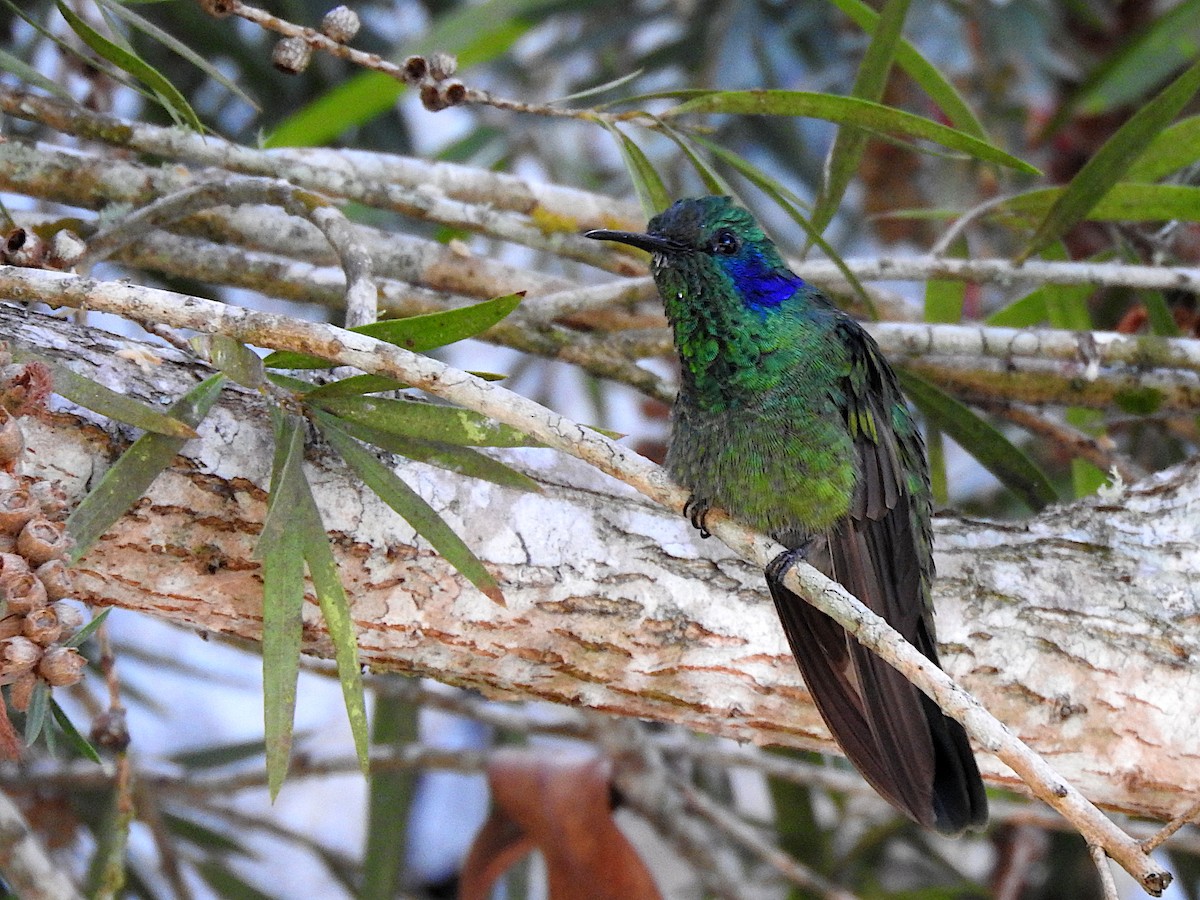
232,357
1102,172
453,458
94,396
845,111
28,74
850,143
76,640
218,755
427,421
335,608
35,715
646,181
81,744
1168,152
982,440
122,11
1150,58
131,475
411,507
203,836
1124,202
939,88
712,179
226,883
280,549
173,101
416,333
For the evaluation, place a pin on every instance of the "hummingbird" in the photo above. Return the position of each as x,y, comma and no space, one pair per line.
789,418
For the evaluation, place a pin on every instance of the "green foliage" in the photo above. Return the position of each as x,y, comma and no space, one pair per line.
130,476
982,440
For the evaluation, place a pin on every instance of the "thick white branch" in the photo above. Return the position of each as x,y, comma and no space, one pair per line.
633,629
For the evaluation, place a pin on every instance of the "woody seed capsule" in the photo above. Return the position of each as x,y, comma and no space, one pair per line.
42,540
340,24
61,666
291,55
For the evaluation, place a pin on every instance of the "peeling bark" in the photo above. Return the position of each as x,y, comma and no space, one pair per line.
1078,628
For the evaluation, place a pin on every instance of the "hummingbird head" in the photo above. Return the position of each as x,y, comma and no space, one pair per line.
709,246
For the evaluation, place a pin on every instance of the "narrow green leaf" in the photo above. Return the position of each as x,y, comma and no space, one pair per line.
598,89
847,111
203,836
76,640
94,396
232,357
1170,151
849,144
35,715
356,386
1124,202
417,333
940,89
712,179
411,507
944,298
1161,49
646,181
280,548
388,801
218,755
1162,322
935,449
168,94
28,74
81,744
122,11
428,421
130,476
335,608
1102,172
982,440
226,883
461,460
1023,312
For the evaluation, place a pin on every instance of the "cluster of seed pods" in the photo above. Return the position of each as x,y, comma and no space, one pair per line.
36,615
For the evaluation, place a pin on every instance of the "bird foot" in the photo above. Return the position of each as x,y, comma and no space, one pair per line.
777,568
696,511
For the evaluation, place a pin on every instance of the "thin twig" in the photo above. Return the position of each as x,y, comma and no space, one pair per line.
1108,886
1187,817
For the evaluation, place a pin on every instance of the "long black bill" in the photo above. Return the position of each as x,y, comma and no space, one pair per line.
651,243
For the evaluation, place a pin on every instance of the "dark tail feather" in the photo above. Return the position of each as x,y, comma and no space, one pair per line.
897,738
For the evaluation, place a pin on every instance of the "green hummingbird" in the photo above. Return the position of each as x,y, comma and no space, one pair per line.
789,418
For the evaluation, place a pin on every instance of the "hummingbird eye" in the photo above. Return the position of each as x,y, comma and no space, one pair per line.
725,242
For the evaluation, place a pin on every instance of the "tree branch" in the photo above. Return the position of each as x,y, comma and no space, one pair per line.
347,348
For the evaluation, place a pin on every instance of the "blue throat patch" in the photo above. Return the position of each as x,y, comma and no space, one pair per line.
761,285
